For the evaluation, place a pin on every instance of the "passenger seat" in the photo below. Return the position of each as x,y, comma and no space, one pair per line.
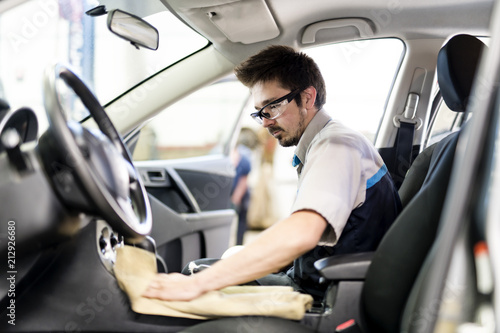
456,67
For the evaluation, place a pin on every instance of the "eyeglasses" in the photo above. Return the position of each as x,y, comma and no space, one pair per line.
276,108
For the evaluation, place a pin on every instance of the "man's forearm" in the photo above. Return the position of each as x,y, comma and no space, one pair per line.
273,249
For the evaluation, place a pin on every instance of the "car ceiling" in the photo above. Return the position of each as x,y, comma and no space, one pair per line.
404,19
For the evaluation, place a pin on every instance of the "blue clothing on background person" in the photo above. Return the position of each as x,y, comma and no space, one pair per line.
240,193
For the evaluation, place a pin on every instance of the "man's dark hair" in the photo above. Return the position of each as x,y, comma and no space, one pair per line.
289,68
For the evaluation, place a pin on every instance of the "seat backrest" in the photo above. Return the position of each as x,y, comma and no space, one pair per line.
457,65
416,175
402,252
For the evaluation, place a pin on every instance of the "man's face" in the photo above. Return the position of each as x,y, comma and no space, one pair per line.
290,125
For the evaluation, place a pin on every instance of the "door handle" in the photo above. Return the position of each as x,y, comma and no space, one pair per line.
157,176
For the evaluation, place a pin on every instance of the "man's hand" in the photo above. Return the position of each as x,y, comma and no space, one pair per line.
275,248
173,287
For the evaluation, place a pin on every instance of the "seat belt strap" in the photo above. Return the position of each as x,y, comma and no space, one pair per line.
404,149
404,139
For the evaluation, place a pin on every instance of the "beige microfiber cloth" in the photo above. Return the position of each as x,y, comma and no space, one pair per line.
135,267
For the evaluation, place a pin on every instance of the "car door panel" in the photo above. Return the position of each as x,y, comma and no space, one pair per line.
190,207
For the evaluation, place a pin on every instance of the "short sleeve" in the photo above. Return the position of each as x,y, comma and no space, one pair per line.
244,165
330,182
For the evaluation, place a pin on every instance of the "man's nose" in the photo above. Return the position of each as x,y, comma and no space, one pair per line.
267,122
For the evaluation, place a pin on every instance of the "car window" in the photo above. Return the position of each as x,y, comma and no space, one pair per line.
359,76
36,34
200,124
443,123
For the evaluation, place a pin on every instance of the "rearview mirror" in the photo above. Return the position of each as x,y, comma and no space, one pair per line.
133,28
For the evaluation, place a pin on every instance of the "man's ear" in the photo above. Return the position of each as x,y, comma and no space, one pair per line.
309,97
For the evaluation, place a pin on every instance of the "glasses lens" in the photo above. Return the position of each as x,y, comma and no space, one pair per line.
255,116
266,114
274,110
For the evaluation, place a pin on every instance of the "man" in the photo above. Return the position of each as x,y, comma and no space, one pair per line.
345,201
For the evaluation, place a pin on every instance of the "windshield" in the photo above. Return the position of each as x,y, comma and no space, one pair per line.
39,33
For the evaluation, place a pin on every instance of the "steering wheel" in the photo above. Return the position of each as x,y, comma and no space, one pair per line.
91,169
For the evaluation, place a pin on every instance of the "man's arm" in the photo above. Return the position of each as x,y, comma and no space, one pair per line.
275,247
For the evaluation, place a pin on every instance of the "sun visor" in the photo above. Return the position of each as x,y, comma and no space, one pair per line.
247,22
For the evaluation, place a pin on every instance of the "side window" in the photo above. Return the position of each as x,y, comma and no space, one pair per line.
444,122
198,125
358,77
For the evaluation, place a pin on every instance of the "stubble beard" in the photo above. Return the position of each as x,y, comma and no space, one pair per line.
288,142
294,139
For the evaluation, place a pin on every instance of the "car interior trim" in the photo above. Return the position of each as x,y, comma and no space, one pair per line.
363,28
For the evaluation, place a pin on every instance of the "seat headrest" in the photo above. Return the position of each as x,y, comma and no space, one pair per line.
456,67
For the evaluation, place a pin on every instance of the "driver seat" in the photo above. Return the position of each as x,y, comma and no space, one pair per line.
383,302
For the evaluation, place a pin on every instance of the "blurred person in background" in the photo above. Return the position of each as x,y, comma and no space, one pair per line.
240,193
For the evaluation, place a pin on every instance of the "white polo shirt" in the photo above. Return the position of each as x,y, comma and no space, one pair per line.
335,166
